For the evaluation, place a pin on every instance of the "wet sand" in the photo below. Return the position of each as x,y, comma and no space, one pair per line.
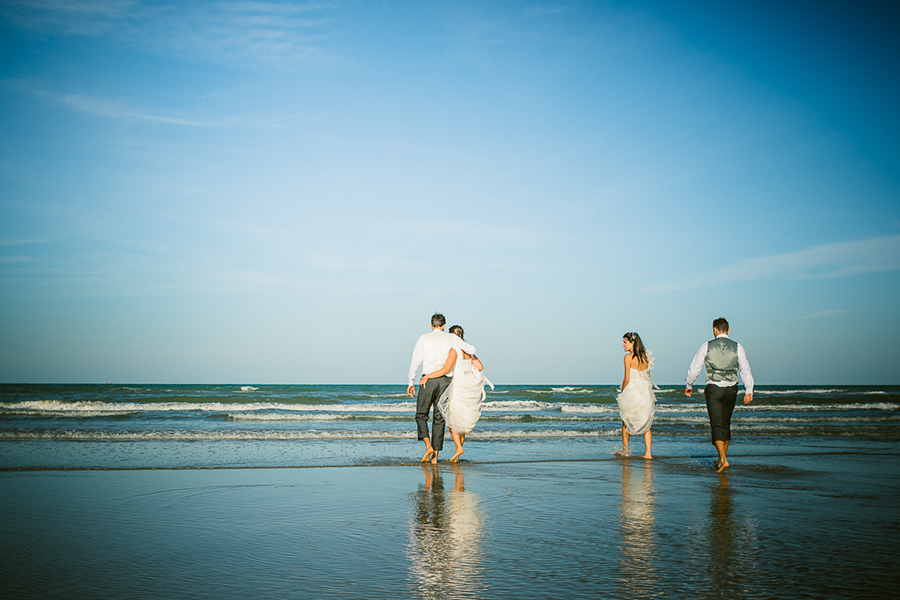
813,524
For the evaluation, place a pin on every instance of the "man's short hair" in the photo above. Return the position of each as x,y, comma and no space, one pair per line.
721,325
438,320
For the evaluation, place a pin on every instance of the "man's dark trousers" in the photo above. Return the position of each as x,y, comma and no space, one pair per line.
720,403
429,394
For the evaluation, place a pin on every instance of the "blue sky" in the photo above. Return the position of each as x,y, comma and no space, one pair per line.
284,192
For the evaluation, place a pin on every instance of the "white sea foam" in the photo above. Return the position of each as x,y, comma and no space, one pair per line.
563,390
834,419
681,408
73,414
227,436
589,409
550,433
821,407
546,418
56,406
99,409
700,407
248,388
293,417
816,391
269,417
196,436
504,405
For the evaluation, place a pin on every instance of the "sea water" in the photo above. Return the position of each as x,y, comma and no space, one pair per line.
253,491
244,425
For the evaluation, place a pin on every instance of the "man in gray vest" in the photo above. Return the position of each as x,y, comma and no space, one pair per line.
723,359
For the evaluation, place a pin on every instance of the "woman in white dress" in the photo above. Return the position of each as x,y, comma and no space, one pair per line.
637,402
461,402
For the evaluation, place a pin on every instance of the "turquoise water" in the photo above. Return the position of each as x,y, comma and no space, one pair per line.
185,426
231,491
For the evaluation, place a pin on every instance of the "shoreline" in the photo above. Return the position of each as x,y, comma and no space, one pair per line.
445,462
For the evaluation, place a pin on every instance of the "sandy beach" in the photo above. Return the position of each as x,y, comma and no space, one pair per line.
815,524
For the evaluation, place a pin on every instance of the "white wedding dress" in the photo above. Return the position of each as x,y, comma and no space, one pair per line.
461,401
637,402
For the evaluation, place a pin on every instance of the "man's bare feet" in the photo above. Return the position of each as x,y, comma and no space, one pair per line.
646,456
428,454
721,465
455,457
623,452
434,458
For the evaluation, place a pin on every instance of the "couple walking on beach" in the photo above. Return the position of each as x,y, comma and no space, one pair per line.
723,358
452,384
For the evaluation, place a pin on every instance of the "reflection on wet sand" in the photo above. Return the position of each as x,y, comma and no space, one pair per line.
729,566
637,521
445,536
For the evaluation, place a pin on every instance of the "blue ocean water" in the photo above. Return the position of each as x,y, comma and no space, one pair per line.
187,426
203,491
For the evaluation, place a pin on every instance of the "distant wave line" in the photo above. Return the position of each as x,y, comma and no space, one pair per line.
816,391
188,436
86,409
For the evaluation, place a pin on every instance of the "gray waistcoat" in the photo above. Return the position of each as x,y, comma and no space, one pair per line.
722,360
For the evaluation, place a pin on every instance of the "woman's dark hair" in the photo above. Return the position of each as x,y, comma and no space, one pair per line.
458,331
638,351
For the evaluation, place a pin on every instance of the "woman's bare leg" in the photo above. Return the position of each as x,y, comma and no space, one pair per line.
458,440
648,441
625,438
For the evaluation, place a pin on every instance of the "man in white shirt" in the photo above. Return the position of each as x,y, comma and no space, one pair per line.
431,352
723,359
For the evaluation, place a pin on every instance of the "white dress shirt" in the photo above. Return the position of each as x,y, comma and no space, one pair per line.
431,352
743,367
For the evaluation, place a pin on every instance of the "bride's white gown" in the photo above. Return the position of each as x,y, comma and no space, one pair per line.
461,401
637,402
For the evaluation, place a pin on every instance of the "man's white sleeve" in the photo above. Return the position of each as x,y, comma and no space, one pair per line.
696,365
417,357
464,346
744,367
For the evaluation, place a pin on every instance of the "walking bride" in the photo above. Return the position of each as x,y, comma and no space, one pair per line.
637,402
461,402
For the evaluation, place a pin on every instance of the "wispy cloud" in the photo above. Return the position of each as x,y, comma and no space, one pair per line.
106,108
281,35
20,242
819,262
200,115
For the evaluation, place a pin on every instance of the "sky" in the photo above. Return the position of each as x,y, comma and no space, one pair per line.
284,192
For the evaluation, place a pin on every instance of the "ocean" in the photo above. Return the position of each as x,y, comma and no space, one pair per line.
113,426
316,491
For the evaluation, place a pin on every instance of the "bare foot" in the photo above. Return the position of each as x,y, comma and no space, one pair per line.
455,457
721,465
646,456
623,452
428,454
434,458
